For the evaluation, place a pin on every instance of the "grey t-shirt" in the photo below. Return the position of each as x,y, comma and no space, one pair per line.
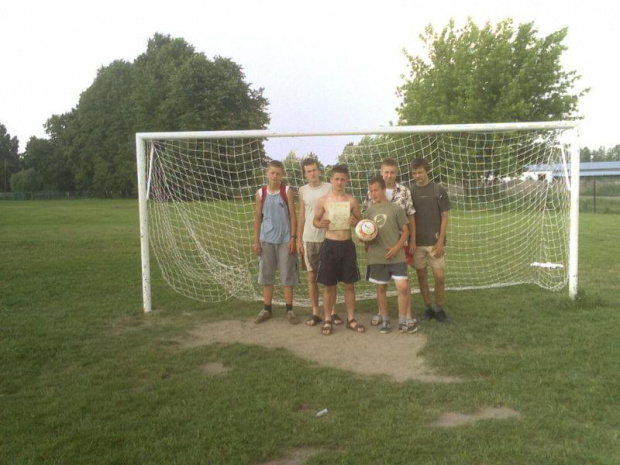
429,203
390,218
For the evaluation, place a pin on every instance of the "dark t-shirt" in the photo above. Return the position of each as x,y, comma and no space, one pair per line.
429,202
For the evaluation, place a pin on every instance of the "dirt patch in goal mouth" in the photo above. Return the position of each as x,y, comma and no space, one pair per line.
394,355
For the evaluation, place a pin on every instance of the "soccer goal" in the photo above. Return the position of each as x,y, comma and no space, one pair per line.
514,190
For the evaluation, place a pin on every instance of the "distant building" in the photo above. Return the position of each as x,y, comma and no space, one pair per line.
587,169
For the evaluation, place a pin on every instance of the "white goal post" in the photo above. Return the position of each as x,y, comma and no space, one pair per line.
508,225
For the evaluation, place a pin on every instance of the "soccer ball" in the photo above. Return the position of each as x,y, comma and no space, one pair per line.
366,230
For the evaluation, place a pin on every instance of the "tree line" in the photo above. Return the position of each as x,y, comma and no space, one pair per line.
494,73
170,87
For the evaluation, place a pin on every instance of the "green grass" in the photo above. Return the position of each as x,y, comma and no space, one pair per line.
86,378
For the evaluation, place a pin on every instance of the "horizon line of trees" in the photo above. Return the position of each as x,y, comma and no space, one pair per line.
170,87
493,73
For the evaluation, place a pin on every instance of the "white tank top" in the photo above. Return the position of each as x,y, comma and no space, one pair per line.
311,197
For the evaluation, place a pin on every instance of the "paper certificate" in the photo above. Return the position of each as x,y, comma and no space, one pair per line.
338,215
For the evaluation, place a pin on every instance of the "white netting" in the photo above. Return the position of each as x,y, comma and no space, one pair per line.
503,230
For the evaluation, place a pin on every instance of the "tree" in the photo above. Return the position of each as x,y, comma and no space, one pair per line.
600,154
9,158
489,75
48,162
170,87
27,180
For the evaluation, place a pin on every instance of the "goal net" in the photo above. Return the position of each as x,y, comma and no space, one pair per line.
509,186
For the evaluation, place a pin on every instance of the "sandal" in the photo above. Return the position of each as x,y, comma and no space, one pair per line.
354,325
326,329
336,319
376,319
313,320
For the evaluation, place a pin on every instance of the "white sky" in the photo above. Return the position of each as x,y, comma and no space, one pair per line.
324,65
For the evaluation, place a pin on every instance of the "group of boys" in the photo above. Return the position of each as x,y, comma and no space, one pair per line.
412,227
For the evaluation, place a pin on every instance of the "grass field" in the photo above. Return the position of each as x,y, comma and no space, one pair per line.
86,378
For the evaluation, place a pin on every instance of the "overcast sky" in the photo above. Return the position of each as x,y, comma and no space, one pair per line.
324,65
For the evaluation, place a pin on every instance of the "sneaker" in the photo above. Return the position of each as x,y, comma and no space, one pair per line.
442,317
411,327
402,327
386,327
292,318
376,319
264,315
429,314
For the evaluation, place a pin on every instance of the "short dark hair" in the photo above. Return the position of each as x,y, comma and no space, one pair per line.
309,161
377,180
420,163
275,164
342,169
389,162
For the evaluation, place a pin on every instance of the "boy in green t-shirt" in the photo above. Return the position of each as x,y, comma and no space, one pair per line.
386,258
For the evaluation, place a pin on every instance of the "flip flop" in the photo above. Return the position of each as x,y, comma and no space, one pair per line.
313,320
354,325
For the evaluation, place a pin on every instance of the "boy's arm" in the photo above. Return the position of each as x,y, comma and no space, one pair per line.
293,222
367,202
439,246
301,223
258,218
355,211
410,211
404,235
318,221
412,231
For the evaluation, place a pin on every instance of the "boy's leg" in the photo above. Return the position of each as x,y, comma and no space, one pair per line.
268,294
406,322
385,325
349,300
329,296
288,300
313,292
424,287
382,300
440,286
310,259
265,313
266,277
440,293
404,298
288,295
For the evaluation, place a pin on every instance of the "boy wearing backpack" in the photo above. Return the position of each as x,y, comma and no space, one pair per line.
275,240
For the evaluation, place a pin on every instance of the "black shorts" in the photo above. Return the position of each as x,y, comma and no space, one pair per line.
338,263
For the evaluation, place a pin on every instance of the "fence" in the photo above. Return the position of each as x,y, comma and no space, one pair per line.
63,195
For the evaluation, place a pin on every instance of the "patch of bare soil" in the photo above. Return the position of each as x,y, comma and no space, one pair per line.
394,355
215,369
453,419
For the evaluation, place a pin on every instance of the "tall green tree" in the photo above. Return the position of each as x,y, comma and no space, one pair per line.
48,162
498,73
9,158
492,74
170,87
